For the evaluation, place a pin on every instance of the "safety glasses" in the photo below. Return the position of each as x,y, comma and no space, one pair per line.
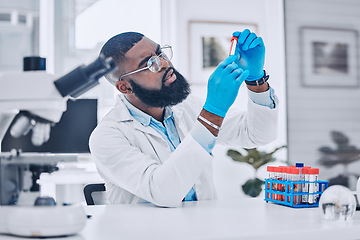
154,63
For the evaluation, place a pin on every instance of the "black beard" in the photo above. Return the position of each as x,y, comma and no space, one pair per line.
170,95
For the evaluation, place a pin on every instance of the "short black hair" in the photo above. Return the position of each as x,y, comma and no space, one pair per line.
117,46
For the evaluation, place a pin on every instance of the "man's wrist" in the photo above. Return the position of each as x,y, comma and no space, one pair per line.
208,122
259,85
213,119
260,81
259,89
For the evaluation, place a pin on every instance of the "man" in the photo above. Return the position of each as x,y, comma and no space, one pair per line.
155,144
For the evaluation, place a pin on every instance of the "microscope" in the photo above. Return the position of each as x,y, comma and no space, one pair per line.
29,99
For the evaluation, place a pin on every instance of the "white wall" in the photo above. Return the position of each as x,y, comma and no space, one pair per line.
314,112
268,15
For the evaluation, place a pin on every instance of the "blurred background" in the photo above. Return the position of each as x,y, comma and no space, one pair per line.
312,58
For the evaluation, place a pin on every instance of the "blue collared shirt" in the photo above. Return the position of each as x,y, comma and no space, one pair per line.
166,129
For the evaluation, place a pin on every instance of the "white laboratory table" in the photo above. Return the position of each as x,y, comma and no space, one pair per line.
217,219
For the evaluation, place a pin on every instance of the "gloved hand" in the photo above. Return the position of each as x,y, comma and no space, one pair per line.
223,86
251,51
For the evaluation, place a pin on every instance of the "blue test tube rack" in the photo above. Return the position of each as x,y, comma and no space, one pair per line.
289,193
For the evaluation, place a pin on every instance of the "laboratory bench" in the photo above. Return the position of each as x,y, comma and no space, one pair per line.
216,219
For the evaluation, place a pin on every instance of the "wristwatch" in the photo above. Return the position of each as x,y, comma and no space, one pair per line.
258,82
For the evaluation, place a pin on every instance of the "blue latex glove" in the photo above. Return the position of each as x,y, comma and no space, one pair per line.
251,51
223,86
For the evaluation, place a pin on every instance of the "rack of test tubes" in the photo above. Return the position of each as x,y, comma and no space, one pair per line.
294,186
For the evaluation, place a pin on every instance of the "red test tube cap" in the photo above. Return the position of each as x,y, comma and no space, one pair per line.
270,168
314,171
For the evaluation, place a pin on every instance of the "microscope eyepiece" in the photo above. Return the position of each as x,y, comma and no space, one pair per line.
84,78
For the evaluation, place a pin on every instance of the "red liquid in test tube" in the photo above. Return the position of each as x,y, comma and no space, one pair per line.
270,175
234,41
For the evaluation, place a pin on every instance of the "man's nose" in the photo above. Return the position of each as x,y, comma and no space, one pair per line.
164,63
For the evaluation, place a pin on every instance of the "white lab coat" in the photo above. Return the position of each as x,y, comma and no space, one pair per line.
138,166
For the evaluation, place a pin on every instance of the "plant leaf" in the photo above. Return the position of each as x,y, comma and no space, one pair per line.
233,153
276,149
254,157
237,156
253,187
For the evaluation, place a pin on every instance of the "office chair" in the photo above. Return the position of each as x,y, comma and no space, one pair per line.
95,194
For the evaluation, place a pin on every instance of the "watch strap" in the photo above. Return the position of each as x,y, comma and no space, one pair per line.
258,82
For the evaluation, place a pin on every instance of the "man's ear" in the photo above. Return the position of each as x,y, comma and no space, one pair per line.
124,87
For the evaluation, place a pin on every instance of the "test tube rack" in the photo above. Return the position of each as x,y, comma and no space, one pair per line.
289,194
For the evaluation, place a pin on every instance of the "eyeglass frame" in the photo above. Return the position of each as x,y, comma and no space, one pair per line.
165,57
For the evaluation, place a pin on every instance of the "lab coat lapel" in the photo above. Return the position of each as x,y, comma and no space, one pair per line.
123,115
180,124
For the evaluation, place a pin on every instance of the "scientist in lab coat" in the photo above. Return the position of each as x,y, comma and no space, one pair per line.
155,145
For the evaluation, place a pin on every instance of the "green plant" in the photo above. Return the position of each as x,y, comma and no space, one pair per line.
344,153
255,158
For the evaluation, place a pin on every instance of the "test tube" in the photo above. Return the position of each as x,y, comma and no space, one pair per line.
305,186
300,166
316,171
234,41
313,187
275,185
278,185
270,175
295,177
288,178
279,174
290,174
281,187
